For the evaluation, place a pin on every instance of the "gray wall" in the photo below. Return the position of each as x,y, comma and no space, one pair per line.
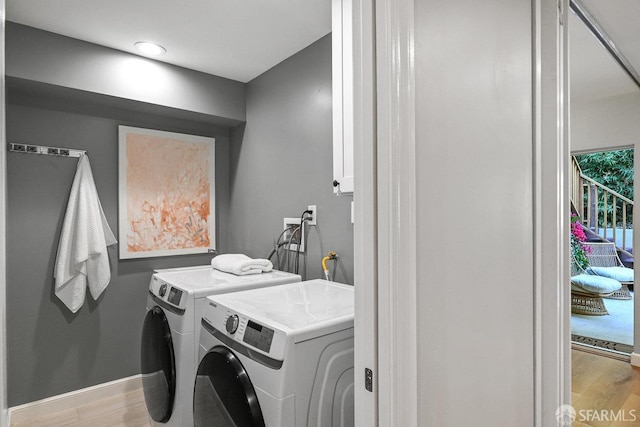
50,58
273,167
52,101
281,162
51,350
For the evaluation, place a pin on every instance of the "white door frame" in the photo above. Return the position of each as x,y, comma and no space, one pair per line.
396,181
365,210
552,333
393,247
3,216
635,356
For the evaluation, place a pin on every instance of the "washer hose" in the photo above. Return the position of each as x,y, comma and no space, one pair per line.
331,255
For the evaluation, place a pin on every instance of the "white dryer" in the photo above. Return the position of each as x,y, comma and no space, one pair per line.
171,330
277,357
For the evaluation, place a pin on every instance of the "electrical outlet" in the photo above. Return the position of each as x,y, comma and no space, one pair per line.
313,215
32,149
292,225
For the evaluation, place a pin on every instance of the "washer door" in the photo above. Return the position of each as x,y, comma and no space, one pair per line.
223,394
158,365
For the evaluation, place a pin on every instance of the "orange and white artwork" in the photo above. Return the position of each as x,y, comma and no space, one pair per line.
166,193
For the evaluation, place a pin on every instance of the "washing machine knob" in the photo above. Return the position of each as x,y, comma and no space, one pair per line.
163,289
232,323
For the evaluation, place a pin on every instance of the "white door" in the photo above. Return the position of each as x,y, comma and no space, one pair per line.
436,339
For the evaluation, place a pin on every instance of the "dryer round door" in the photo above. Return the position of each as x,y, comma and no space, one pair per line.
223,393
158,365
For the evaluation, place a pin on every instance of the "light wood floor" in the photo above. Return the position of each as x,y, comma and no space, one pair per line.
605,385
125,410
598,383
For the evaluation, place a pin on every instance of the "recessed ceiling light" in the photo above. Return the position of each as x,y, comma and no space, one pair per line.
150,49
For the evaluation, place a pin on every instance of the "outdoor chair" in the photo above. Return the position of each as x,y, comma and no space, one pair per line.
604,261
587,291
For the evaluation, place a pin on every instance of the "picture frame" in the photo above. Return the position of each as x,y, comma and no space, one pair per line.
166,193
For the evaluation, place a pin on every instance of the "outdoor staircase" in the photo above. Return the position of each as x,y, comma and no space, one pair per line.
588,197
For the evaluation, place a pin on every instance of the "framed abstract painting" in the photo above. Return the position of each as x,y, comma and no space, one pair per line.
166,193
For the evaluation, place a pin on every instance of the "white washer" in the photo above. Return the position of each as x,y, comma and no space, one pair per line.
171,330
277,357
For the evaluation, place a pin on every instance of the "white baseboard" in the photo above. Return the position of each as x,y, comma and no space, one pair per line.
61,402
635,359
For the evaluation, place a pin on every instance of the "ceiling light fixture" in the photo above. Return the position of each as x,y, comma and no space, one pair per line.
150,49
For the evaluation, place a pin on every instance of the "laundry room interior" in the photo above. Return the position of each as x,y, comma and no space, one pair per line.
273,158
458,118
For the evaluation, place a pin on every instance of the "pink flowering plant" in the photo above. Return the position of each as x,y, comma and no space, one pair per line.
579,249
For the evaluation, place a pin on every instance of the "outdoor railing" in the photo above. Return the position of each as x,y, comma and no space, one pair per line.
600,208
577,190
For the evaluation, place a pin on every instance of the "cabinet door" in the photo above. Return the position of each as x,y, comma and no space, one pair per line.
342,56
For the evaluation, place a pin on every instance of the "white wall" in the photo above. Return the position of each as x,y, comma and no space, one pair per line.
472,149
605,123
474,162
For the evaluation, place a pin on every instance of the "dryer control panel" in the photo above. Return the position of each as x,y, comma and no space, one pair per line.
167,293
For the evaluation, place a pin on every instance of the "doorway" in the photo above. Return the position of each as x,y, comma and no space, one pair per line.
603,109
602,231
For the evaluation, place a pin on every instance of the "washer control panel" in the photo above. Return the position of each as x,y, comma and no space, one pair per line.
232,323
258,336
250,332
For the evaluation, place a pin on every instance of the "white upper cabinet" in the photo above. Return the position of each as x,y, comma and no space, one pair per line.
342,55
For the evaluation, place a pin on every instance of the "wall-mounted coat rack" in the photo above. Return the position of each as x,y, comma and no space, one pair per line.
49,151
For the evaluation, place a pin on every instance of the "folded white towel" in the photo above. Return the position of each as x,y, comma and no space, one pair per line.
240,264
82,250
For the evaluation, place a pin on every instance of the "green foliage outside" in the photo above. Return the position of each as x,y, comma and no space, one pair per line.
613,169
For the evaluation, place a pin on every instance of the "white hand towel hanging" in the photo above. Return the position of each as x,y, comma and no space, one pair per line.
82,250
